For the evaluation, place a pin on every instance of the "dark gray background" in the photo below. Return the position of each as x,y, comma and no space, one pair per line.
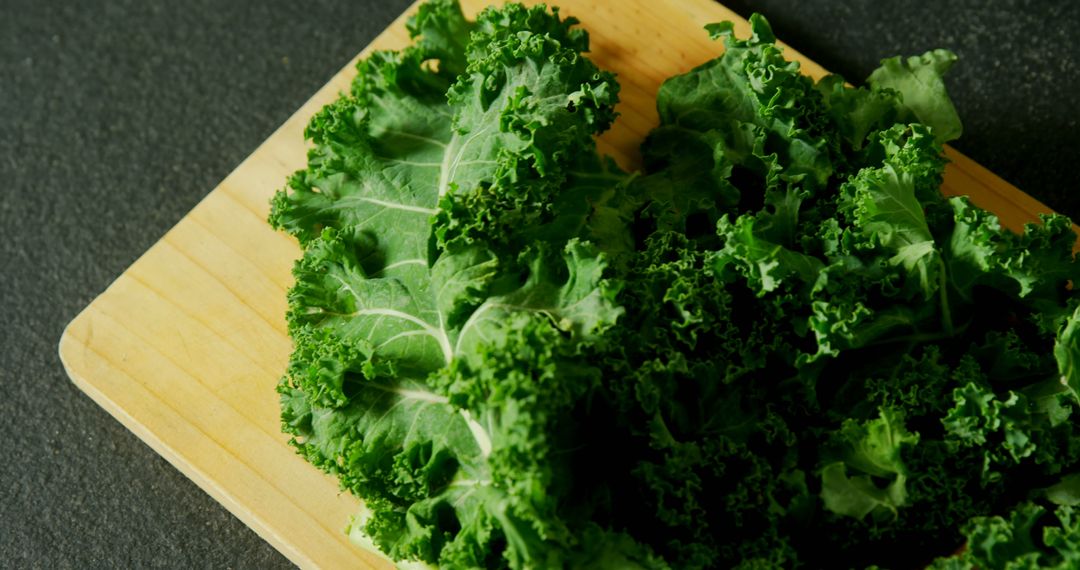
117,117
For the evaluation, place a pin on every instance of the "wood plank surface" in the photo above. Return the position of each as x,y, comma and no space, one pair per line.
186,346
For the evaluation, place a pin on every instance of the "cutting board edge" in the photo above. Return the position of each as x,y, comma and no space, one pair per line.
301,113
75,364
66,347
70,349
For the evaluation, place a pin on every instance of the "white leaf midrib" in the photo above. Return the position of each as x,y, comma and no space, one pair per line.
437,333
479,432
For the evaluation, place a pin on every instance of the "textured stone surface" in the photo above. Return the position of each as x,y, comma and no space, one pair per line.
116,117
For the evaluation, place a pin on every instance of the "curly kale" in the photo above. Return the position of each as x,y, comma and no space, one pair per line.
778,346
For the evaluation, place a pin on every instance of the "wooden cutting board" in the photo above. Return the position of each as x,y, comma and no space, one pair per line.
186,346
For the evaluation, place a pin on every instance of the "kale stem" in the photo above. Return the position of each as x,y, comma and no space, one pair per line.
943,293
917,338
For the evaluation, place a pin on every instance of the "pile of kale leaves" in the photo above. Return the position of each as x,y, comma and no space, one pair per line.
778,346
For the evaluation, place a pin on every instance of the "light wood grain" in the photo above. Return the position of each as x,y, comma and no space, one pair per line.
186,346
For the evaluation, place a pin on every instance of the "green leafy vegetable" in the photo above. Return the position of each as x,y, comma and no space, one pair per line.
872,449
438,354
777,346
924,100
